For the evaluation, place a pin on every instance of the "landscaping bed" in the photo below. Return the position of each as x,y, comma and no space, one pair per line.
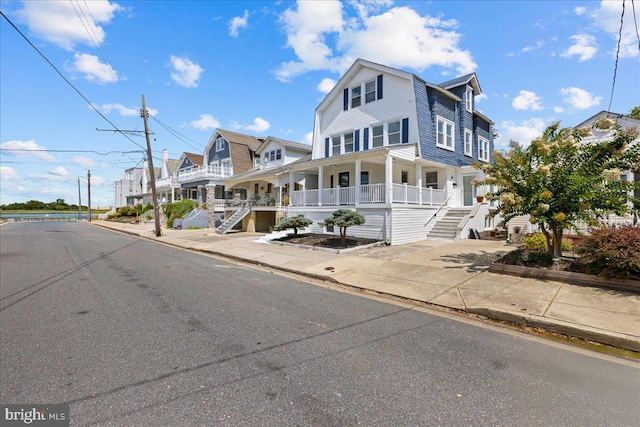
329,241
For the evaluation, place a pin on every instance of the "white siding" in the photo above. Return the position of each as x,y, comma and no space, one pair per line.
398,102
373,228
407,225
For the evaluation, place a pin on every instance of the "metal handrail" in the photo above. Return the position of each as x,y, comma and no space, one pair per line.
437,210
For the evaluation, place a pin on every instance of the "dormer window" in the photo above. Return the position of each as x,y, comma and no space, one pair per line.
469,99
220,144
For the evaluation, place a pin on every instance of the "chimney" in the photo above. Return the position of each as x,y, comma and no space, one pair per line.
164,172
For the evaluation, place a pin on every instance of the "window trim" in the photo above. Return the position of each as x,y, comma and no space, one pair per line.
483,143
427,183
374,91
468,152
381,136
469,99
352,144
445,122
334,145
219,143
359,96
399,133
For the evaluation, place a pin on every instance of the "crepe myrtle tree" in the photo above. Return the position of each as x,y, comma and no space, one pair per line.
559,181
293,222
343,218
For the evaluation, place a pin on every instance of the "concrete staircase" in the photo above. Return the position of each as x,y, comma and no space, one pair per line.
445,228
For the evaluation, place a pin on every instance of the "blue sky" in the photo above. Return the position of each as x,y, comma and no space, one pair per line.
261,68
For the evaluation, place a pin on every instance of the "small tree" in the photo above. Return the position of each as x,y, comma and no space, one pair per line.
558,181
343,218
294,222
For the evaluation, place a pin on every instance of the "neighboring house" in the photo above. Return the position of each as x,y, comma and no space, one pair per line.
399,150
167,186
192,176
131,187
266,185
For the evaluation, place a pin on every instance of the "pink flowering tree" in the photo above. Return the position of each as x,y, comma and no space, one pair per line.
559,181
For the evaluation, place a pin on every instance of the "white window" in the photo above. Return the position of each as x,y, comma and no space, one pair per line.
335,146
483,149
220,144
469,99
431,180
394,133
348,142
356,98
445,134
468,143
278,154
377,136
370,91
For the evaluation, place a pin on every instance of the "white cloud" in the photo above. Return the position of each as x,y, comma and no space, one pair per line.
93,69
426,41
59,171
580,10
124,111
49,177
26,149
205,122
259,125
584,47
308,138
185,72
520,131
8,174
537,46
238,22
526,100
606,17
83,162
579,99
558,109
326,85
58,21
480,98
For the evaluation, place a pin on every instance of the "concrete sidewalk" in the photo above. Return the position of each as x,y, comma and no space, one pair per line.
449,274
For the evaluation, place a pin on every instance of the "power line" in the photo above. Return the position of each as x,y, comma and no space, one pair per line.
66,80
635,21
615,68
71,151
178,135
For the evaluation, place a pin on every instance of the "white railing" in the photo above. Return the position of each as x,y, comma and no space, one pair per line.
369,194
166,182
373,193
199,172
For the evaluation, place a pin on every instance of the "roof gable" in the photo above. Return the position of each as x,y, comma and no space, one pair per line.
468,79
306,148
195,159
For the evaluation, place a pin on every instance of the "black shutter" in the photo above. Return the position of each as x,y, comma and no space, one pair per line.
405,130
326,147
380,86
357,140
345,100
365,138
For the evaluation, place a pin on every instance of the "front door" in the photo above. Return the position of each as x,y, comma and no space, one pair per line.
468,190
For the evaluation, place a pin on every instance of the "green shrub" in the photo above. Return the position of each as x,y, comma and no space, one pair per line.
612,252
294,222
537,242
178,210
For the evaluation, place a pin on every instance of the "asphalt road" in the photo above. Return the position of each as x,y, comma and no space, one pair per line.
130,332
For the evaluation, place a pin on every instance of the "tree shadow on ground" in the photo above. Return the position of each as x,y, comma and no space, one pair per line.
473,262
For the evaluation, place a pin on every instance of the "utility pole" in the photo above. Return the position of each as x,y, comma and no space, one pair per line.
152,176
79,202
89,193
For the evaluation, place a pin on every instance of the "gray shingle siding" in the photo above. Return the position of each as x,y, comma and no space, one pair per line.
218,155
185,164
482,128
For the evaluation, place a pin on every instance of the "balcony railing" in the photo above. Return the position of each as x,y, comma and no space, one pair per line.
368,194
166,182
203,172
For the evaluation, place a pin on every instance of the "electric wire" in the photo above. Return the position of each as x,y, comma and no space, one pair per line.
178,135
615,69
96,25
635,21
71,151
67,81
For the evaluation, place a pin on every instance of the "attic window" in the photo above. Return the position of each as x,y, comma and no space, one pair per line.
469,99
220,144
370,91
356,98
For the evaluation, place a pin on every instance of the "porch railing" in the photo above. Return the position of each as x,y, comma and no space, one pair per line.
369,194
199,172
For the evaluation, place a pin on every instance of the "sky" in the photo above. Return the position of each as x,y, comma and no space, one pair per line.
261,68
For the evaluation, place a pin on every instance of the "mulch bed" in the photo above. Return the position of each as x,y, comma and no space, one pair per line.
325,240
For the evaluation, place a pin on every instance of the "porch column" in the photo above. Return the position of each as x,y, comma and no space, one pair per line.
358,183
320,184
291,186
388,180
419,182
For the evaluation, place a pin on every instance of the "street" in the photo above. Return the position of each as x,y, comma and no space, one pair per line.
130,332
